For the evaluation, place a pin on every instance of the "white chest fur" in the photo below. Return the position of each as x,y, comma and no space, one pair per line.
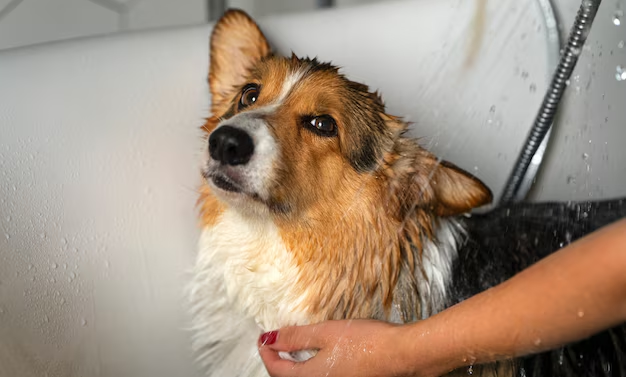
244,283
257,272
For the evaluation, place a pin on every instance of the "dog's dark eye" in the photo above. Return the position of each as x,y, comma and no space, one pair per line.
323,125
249,95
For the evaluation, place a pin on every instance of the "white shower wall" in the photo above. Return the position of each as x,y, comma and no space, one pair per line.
26,22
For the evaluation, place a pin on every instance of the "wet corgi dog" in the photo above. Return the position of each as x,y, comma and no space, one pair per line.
316,205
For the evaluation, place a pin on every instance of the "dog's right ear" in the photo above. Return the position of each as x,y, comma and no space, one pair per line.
237,44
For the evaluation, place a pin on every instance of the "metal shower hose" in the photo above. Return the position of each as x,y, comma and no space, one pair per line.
549,106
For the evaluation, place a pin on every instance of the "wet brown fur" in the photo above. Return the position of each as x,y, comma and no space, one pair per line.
354,210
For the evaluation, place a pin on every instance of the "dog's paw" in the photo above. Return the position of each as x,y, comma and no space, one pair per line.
298,356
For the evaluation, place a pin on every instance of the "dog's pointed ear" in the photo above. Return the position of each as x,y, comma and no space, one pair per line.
237,44
456,191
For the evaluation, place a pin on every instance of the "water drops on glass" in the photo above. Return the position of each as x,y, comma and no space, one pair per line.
617,17
571,180
620,73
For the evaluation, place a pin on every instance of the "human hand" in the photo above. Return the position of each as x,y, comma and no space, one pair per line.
346,348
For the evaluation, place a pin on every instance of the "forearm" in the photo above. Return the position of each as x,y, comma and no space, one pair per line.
568,296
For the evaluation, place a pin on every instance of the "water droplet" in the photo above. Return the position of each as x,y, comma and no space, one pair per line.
30,266
72,275
617,17
537,342
620,73
561,357
8,218
576,51
522,372
55,266
83,322
42,235
571,180
561,244
533,88
46,319
585,215
475,168
568,237
470,370
567,82
581,313
64,240
585,156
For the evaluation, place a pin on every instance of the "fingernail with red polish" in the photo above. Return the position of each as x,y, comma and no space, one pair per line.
269,338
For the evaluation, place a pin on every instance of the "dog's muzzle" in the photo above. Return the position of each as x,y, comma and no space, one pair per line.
241,158
231,146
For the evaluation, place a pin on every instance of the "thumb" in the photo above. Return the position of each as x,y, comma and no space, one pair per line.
292,338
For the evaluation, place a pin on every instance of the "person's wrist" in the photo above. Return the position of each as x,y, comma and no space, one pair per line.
410,351
425,351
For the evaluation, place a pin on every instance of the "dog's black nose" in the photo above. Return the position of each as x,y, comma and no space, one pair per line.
230,146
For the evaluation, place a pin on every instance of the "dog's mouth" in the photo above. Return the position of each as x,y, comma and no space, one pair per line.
225,183
230,185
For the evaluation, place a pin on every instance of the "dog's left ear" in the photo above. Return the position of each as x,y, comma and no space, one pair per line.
456,191
237,44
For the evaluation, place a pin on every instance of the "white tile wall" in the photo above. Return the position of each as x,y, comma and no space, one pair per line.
26,22
258,8
159,13
38,21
